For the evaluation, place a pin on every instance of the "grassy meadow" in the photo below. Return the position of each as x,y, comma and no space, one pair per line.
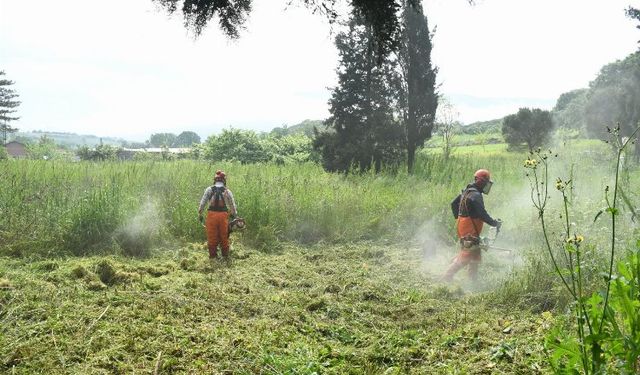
103,267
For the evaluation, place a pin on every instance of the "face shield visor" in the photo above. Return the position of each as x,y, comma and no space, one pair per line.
487,187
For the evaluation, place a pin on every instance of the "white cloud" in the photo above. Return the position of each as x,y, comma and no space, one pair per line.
527,48
125,68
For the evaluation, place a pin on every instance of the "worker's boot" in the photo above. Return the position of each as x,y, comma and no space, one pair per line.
213,253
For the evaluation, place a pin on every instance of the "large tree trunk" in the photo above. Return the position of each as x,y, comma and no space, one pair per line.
412,135
411,157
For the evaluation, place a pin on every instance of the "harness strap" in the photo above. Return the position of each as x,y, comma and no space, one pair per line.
463,201
217,196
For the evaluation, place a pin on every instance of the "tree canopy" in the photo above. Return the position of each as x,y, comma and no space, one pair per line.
568,112
380,15
613,98
245,146
186,139
383,107
530,126
417,99
162,139
634,13
362,131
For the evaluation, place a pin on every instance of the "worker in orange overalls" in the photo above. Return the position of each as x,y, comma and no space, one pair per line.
468,209
221,203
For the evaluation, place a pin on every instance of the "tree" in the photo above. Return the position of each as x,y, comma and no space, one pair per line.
45,149
380,15
418,100
8,103
101,152
162,139
568,113
530,126
134,144
361,131
305,127
447,125
633,13
614,99
186,139
290,148
236,145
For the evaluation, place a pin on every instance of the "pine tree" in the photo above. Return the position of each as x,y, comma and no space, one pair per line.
381,15
362,131
7,105
418,100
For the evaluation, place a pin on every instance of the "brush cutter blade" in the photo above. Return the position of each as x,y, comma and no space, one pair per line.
236,224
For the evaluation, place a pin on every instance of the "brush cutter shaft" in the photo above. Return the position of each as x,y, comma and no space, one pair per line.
500,249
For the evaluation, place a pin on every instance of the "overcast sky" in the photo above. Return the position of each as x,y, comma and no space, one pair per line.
124,68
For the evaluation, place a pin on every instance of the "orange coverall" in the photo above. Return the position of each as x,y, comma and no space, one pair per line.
468,209
217,223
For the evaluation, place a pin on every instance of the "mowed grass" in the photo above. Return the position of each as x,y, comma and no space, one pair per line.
352,308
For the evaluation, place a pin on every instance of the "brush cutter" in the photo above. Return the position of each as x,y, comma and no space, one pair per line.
486,243
236,224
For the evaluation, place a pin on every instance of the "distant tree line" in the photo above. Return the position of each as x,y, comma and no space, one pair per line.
184,139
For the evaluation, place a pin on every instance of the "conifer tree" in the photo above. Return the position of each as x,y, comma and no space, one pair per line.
8,103
361,131
417,97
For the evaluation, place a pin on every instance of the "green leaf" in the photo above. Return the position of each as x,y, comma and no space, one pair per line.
624,270
565,351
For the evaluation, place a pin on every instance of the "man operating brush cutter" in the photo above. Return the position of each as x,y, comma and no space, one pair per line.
468,209
220,203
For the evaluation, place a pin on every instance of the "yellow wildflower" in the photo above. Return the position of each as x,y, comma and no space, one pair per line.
530,163
576,239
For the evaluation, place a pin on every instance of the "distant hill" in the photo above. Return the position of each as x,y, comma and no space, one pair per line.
305,127
478,127
70,140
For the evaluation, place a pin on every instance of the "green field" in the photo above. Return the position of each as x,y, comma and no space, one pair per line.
103,268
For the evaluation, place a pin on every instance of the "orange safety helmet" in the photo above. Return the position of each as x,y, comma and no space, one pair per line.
482,175
220,176
483,179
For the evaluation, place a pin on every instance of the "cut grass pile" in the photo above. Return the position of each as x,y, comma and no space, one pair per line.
365,308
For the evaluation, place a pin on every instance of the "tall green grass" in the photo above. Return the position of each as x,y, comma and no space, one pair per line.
50,208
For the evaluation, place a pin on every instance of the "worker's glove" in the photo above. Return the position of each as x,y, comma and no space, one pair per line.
499,223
